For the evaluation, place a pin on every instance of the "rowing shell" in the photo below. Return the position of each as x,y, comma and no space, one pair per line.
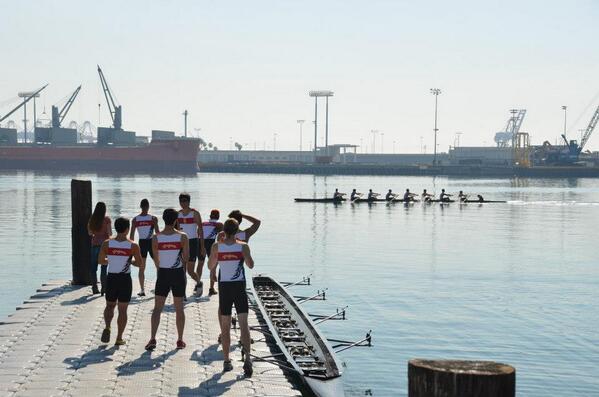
319,200
306,350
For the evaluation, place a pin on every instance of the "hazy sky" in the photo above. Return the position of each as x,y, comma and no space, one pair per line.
243,69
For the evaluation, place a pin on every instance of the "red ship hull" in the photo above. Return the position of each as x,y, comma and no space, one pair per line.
179,155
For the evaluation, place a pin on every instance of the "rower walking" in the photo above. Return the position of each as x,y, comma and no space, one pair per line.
145,224
211,228
190,222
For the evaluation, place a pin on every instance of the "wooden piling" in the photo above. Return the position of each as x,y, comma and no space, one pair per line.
455,378
81,210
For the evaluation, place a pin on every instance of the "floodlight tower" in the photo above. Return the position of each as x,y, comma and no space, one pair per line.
300,122
316,95
435,92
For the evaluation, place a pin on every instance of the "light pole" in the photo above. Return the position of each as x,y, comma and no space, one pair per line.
393,147
316,95
435,92
374,132
421,145
565,109
362,145
382,142
274,141
185,113
456,142
300,122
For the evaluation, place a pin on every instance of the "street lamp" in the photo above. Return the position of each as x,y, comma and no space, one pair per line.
565,109
274,141
456,141
374,132
382,142
435,92
300,122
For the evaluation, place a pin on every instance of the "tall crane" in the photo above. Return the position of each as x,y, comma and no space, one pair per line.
507,136
590,128
27,99
570,153
58,117
115,111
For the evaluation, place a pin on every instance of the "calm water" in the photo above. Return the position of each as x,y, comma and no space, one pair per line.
516,283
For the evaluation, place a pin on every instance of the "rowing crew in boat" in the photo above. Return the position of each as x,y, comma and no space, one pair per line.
407,197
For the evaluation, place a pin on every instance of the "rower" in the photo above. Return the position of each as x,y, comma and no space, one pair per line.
337,195
426,197
480,198
244,235
462,197
211,230
407,196
190,222
146,225
372,195
390,195
444,197
354,195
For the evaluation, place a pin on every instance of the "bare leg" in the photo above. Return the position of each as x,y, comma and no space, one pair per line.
245,331
158,306
180,316
109,313
199,269
141,275
212,278
191,271
121,320
225,335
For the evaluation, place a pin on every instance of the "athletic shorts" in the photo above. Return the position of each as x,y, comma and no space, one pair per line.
145,246
170,280
208,245
194,249
118,287
232,293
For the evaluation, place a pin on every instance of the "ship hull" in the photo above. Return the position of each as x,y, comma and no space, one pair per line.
159,156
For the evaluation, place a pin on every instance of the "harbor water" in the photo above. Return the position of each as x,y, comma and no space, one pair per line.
516,283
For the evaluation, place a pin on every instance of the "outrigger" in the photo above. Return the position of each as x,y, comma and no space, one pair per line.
304,350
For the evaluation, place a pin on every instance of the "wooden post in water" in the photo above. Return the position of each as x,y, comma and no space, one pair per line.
81,210
454,378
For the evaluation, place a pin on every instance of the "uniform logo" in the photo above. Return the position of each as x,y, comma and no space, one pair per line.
119,251
169,246
230,256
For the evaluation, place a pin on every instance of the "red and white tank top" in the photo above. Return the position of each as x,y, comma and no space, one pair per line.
119,256
241,236
145,226
170,250
188,224
230,263
209,229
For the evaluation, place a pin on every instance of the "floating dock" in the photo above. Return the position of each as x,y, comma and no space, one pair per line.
51,346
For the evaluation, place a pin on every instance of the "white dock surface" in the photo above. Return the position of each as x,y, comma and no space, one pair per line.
51,347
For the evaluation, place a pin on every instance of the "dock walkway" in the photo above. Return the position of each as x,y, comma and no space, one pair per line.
51,346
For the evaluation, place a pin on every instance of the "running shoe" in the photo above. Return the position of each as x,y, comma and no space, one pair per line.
105,335
151,345
227,366
199,288
95,290
181,344
212,291
141,293
248,370
119,342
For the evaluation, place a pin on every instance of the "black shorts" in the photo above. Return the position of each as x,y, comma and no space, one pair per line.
208,245
118,287
194,249
232,293
145,246
170,280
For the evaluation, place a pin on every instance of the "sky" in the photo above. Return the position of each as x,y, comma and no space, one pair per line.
243,69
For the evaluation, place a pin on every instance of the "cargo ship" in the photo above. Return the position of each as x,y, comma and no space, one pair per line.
54,147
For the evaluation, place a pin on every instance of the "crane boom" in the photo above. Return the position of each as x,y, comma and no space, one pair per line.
58,117
22,103
590,128
115,111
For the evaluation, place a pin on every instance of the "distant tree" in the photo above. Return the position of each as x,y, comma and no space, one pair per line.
214,148
210,145
202,144
238,146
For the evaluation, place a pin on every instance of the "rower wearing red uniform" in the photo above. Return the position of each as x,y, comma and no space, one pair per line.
146,225
211,228
116,254
172,250
190,222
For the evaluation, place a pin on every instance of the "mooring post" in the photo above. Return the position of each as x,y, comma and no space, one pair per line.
456,378
81,210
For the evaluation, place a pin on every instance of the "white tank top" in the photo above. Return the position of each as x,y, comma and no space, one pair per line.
209,229
145,226
170,250
230,262
119,256
188,224
241,236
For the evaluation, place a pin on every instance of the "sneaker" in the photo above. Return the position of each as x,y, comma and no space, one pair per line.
199,288
248,370
181,344
119,342
151,345
196,287
141,293
95,290
105,335
227,366
212,291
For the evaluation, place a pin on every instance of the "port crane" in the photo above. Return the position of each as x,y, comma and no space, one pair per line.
574,149
115,111
507,136
58,116
27,99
